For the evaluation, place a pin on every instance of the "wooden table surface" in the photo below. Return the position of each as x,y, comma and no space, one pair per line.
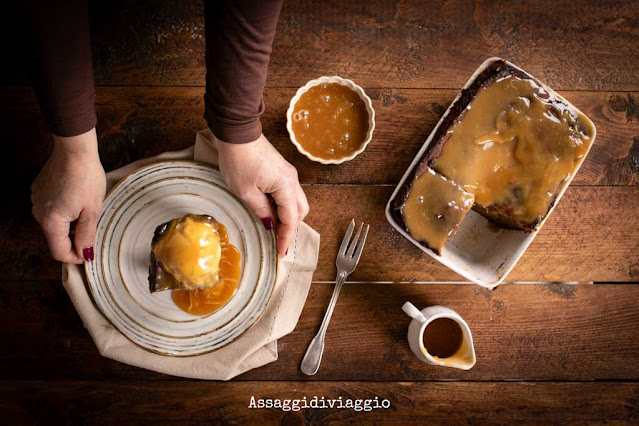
547,350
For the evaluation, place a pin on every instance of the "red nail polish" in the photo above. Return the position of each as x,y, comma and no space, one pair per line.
268,223
286,252
87,252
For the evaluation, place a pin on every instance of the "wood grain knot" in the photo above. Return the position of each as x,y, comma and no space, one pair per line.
626,104
567,291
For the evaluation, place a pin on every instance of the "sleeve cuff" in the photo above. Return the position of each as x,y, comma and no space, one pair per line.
235,133
74,126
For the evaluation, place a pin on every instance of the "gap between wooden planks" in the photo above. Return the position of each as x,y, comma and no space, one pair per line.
193,401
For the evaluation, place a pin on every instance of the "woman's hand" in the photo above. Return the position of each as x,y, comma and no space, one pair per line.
255,169
70,187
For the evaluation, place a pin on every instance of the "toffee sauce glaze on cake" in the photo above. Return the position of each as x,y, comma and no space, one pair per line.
505,208
193,257
435,208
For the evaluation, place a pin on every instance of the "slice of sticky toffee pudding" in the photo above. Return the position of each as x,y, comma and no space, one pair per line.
434,209
192,256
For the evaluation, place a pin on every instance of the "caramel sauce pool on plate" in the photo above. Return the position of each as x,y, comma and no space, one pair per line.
203,301
330,121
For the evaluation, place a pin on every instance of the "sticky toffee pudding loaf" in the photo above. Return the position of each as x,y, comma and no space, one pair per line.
509,142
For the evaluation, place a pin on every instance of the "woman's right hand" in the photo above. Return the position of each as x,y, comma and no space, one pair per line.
70,187
255,169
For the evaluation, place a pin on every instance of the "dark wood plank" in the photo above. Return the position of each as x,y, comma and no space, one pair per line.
589,45
520,331
140,122
199,402
592,235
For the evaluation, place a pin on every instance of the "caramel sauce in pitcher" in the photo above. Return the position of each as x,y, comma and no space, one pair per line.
443,337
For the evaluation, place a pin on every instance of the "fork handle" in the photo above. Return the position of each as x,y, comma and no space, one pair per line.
313,356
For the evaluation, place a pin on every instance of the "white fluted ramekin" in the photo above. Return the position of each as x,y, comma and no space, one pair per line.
344,82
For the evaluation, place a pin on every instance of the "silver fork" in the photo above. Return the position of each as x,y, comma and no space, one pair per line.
347,260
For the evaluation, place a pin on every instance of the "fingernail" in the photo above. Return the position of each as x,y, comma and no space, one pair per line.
286,252
87,252
268,223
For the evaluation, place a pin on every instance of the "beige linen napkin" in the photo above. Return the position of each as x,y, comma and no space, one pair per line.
256,347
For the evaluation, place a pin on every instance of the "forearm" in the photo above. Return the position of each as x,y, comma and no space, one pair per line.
81,145
61,65
239,37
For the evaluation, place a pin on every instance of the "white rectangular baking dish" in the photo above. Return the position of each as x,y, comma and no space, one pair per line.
479,253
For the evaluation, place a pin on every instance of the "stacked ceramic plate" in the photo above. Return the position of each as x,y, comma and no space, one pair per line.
118,278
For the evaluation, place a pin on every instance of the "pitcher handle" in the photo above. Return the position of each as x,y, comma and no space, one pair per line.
413,312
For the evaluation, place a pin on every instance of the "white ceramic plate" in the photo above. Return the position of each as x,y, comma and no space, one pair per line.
118,278
478,252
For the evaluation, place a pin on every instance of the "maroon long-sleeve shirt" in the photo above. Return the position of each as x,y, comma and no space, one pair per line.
239,35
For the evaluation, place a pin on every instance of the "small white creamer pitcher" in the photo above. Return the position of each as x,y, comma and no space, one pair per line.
464,358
